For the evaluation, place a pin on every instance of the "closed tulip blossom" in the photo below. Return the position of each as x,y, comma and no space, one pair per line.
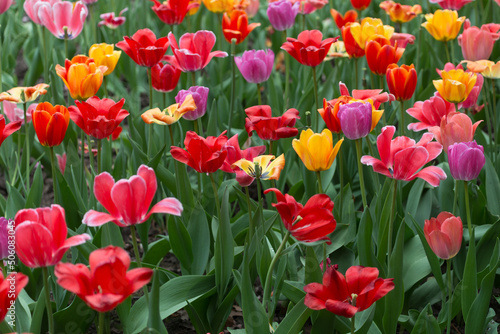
444,235
219,6
24,94
341,20
235,26
165,77
172,12
7,130
98,118
400,13
41,236
402,159
10,288
128,200
107,283
466,159
477,43
402,81
64,19
105,55
143,48
355,119
50,123
194,51
443,25
282,14
112,21
200,96
255,65
380,54
4,5
308,49
360,4
264,167
309,223
5,226
451,4
429,112
267,127
82,76
345,296
316,150
353,49
455,85
170,114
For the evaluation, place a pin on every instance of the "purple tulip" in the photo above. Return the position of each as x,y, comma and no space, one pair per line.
355,119
4,237
466,160
282,14
255,65
200,96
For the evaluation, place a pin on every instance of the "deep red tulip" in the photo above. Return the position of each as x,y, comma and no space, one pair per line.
128,201
260,120
107,282
401,158
380,54
144,48
344,296
165,77
205,155
98,118
194,51
10,288
402,81
360,4
351,46
444,235
41,236
235,25
308,49
172,12
7,130
340,21
309,223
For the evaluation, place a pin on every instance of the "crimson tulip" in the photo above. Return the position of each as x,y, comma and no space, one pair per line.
344,296
7,130
128,201
41,236
235,25
144,48
402,81
360,4
309,223
107,282
10,287
260,120
98,118
444,235
50,123
172,12
165,77
309,49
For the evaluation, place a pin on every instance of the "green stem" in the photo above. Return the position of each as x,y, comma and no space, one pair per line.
54,180
28,153
320,186
448,58
259,95
316,100
381,79
391,221
467,209
267,285
233,85
138,257
494,111
216,195
251,226
150,130
353,324
360,172
82,161
341,163
42,31
101,322
99,164
177,180
455,197
450,296
356,72
287,73
402,127
193,78
259,196
5,327
47,299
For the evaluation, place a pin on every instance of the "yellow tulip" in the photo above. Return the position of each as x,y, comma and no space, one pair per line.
24,94
267,170
316,150
443,25
368,29
219,6
105,55
171,114
194,10
455,85
487,68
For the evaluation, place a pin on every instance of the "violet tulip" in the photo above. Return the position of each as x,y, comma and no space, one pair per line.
466,160
444,235
355,119
255,65
63,19
200,96
477,43
282,14
5,226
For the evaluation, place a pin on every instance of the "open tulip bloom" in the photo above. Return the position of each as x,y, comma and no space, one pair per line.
64,19
171,114
261,167
144,48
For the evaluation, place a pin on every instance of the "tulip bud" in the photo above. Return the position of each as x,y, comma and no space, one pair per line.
355,119
444,235
466,160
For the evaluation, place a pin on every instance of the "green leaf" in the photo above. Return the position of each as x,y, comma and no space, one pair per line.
426,323
416,266
77,317
35,195
157,250
224,250
15,201
181,243
295,319
154,320
365,242
469,283
23,314
312,269
199,232
492,188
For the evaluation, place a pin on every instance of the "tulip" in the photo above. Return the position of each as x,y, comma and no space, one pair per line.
345,296
308,49
456,85
337,50
429,112
454,128
4,5
444,235
402,81
165,77
105,55
380,54
349,17
82,76
310,223
360,4
200,96
14,114
6,226
316,150
282,14
172,12
471,100
476,43
261,167
256,65
219,6
98,118
116,134
7,130
89,2
31,9
64,19
351,46
195,8
310,6
466,160
487,68
17,281
203,155
235,153
107,283
171,114
41,236
400,13
195,50
260,120
451,4
355,119
61,162
402,39
50,123
144,49
401,158
236,26
24,94
443,25
111,21
367,29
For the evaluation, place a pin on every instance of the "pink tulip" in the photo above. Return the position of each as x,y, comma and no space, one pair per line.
454,128
255,65
63,19
14,114
402,39
61,161
111,21
200,97
31,8
128,201
444,235
4,5
429,112
477,43
451,4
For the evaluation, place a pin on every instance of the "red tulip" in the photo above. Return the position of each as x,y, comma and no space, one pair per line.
50,123
41,236
235,25
309,223
402,81
107,283
360,4
351,46
344,296
116,134
267,127
128,201
380,54
194,51
165,77
401,158
7,130
340,21
444,235
10,288
308,49
144,48
173,11
98,118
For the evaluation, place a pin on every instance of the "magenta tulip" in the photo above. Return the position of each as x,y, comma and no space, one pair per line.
282,14
355,119
200,96
255,65
466,160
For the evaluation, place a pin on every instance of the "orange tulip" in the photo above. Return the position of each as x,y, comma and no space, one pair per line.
380,54
235,25
82,76
400,13
342,20
50,123
402,81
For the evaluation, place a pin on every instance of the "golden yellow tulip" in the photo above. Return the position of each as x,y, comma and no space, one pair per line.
219,6
443,25
316,150
368,29
105,55
267,170
455,85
